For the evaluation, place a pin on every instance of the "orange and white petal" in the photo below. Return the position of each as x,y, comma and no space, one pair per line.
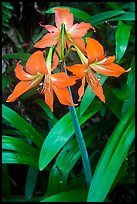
95,85
109,70
63,15
21,75
95,51
79,42
77,69
62,80
109,60
36,63
21,88
48,40
52,29
49,99
63,96
80,29
81,89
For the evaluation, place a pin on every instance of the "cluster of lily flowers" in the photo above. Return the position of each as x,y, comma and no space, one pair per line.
40,66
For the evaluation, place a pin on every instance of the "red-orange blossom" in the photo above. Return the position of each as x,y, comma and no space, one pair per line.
73,33
96,61
37,69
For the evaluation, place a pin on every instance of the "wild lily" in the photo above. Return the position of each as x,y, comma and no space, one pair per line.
37,70
73,33
96,61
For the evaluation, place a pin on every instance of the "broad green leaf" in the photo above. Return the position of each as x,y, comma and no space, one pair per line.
21,124
112,102
20,56
123,92
113,156
28,94
67,159
45,107
4,82
131,84
60,133
113,5
122,37
104,16
19,198
15,144
127,16
89,96
31,181
76,12
9,157
7,5
69,196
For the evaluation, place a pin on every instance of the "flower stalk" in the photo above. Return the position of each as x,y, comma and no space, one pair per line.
80,140
77,128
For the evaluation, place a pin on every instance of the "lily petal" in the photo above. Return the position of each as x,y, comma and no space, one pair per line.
63,16
80,29
49,98
109,70
51,28
21,88
36,63
77,69
109,60
95,51
63,96
81,89
48,40
79,42
21,75
95,85
62,80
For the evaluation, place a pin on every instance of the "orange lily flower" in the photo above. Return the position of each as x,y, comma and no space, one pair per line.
96,61
73,33
37,69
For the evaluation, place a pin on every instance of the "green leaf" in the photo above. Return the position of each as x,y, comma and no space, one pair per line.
20,56
59,135
15,144
76,12
89,96
19,198
21,124
31,181
29,93
122,93
112,102
69,196
44,106
67,159
104,16
113,5
7,5
127,16
4,82
122,37
131,84
18,158
112,156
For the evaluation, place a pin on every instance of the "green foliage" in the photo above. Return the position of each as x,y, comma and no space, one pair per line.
34,137
6,15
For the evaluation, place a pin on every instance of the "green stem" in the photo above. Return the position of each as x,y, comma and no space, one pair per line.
81,142
78,132
82,145
62,40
